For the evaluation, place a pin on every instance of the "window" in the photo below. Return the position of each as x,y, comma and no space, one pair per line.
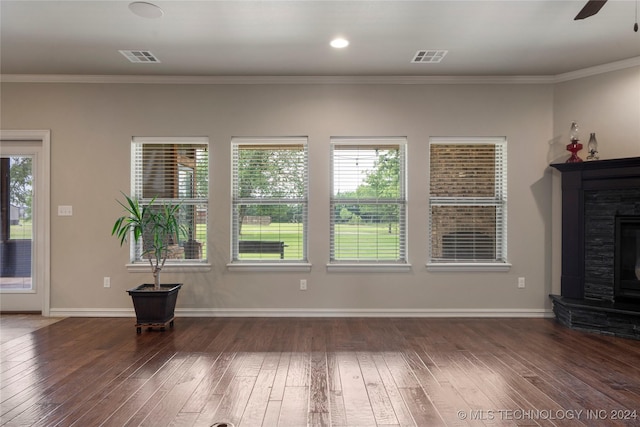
269,200
174,170
368,200
468,200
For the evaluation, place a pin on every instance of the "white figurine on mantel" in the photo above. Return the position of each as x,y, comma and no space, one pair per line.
592,148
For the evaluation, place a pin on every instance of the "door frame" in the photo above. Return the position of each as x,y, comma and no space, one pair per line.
42,250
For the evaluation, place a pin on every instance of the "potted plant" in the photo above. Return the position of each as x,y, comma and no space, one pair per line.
158,228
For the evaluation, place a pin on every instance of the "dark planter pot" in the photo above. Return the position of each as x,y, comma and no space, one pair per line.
154,307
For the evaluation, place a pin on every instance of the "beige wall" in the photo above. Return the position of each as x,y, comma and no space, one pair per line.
91,129
607,104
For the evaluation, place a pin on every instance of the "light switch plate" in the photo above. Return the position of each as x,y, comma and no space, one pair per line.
65,210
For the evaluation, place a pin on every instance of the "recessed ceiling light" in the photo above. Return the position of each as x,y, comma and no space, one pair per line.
339,43
145,9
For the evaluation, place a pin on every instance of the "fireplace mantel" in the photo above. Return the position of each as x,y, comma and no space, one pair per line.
595,165
594,193
576,179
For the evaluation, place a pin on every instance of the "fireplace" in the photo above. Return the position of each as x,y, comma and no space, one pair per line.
600,243
627,259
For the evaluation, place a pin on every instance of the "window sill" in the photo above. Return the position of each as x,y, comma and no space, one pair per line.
17,291
259,266
363,268
470,266
172,268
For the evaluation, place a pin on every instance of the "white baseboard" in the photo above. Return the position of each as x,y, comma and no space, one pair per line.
302,312
91,312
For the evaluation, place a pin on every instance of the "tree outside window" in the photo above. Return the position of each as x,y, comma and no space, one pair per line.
368,203
269,200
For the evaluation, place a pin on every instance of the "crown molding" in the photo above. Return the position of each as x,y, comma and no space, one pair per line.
320,80
271,80
598,69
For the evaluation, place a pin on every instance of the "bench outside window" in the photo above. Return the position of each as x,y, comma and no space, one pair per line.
261,247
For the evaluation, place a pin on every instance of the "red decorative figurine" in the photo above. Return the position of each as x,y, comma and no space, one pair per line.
575,145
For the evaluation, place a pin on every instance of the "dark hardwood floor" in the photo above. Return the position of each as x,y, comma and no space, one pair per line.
319,372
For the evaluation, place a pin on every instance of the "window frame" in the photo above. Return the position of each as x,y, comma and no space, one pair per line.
172,265
500,200
363,265
268,264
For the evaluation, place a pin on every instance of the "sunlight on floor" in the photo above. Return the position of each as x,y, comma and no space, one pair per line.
13,326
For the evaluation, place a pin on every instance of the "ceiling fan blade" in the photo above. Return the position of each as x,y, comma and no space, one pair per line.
591,8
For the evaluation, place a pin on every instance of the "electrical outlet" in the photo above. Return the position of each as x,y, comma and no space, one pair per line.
303,284
107,282
520,282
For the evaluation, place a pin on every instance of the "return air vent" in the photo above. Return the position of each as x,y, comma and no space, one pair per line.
431,56
140,56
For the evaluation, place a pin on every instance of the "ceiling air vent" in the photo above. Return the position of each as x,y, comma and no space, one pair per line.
140,56
431,56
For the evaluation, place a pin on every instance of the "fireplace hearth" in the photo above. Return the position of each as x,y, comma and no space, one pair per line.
600,245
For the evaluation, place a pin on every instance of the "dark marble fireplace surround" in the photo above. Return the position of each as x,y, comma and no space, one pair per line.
593,195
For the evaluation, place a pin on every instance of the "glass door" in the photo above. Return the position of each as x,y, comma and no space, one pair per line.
24,221
16,223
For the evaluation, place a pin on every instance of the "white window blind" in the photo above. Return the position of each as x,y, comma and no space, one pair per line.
368,200
270,198
174,170
468,200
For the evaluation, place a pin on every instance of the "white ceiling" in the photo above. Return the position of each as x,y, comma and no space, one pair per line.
291,38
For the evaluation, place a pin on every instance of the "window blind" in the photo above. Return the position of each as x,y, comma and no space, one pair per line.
270,198
468,200
174,170
368,200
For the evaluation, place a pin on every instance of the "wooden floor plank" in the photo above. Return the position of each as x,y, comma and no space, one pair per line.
444,396
378,397
298,374
172,397
210,380
295,406
318,387
357,406
485,380
338,413
138,404
401,410
272,414
534,399
280,380
234,401
39,387
258,402
422,410
75,396
557,365
339,372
